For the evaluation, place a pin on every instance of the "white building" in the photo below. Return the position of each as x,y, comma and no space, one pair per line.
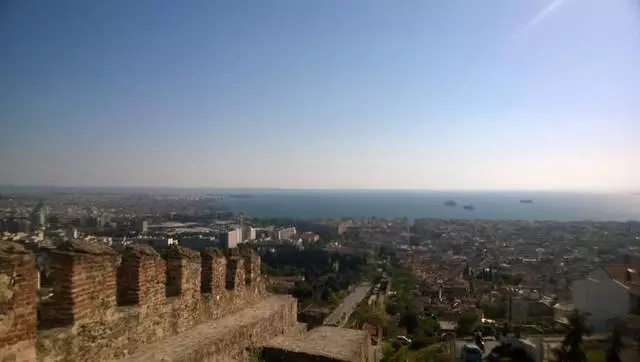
249,233
142,226
612,291
230,239
72,233
285,233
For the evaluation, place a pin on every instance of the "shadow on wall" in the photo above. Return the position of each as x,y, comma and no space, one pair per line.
133,297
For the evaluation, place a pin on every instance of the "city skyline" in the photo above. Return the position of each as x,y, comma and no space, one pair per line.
457,95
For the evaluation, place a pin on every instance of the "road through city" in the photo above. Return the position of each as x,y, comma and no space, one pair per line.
341,314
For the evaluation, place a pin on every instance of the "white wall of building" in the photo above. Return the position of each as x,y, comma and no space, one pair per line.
601,297
285,233
249,233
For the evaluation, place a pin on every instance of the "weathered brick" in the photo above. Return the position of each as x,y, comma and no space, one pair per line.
214,270
235,273
141,277
18,282
252,266
84,283
183,272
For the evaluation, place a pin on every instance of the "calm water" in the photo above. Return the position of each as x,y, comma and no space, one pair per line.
420,204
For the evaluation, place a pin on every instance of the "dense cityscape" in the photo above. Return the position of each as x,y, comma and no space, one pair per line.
319,181
421,288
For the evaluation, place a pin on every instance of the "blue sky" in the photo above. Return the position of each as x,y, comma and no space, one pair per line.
457,94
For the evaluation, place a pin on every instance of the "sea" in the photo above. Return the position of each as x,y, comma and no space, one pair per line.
335,204
325,204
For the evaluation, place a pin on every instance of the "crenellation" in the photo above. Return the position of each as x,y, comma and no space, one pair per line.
18,298
214,271
252,266
183,271
84,284
235,273
141,277
107,305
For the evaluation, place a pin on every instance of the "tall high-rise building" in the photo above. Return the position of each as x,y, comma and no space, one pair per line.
39,217
103,220
72,233
249,233
142,226
231,238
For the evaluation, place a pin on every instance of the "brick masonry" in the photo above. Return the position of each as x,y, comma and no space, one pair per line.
328,344
107,306
251,263
141,277
18,313
84,283
235,273
214,271
230,338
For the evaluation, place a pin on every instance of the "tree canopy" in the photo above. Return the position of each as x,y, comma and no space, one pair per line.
571,349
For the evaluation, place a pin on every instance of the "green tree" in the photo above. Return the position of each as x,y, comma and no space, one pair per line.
428,326
571,349
495,311
613,353
409,320
467,323
506,329
370,315
394,308
391,354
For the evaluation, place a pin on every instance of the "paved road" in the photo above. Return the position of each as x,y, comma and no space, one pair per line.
348,305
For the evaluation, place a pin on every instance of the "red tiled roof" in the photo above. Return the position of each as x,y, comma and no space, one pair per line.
626,274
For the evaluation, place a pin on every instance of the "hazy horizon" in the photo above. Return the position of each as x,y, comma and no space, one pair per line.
277,189
361,95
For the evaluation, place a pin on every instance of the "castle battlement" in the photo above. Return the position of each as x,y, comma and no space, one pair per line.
139,304
105,304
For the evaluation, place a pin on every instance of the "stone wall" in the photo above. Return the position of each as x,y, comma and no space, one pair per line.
106,305
214,270
18,314
84,283
326,344
233,337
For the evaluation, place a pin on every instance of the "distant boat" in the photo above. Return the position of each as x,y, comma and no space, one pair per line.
526,201
469,207
450,203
